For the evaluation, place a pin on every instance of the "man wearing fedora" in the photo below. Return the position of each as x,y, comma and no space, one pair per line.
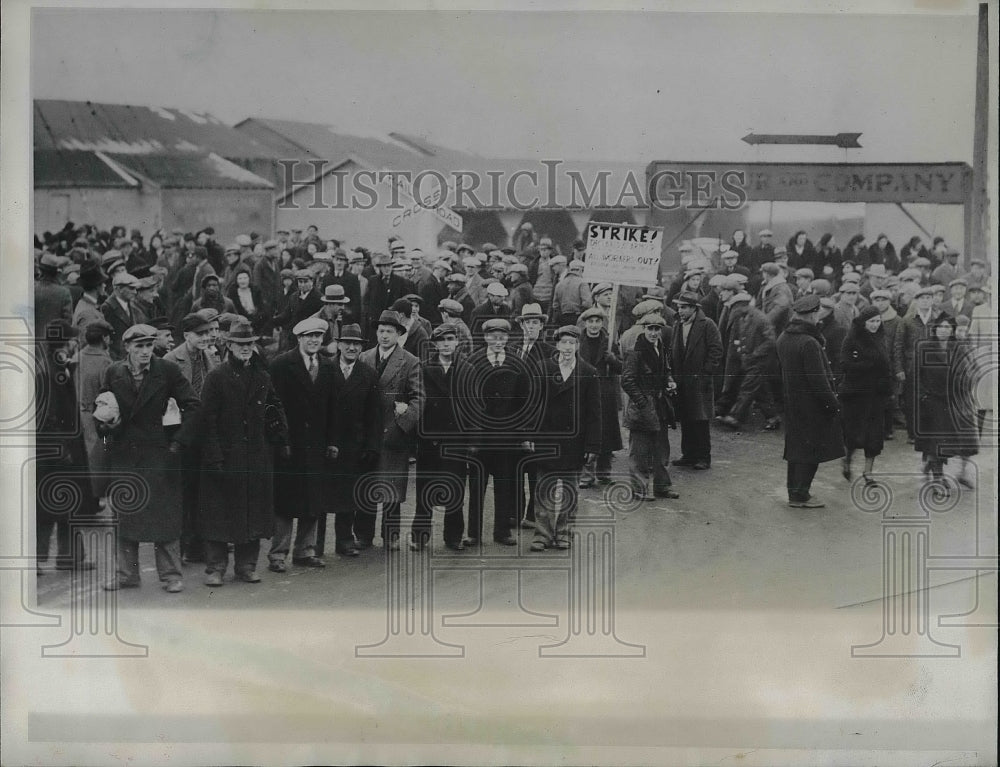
140,452
340,275
402,401
52,300
416,338
237,483
120,310
357,436
303,379
87,309
535,352
335,304
384,289
304,302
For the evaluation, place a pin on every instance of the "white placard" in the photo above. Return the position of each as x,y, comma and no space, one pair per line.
622,254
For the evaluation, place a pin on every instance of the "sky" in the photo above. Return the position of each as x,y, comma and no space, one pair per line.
591,85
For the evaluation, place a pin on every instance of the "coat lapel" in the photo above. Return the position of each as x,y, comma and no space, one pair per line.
392,366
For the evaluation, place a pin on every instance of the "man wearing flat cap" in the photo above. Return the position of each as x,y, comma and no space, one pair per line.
571,296
140,452
571,423
649,413
120,310
457,286
813,430
195,362
267,280
495,307
501,417
303,379
696,357
434,288
914,331
243,422
597,351
303,303
752,364
763,252
211,296
402,401
958,302
52,300
520,288
775,296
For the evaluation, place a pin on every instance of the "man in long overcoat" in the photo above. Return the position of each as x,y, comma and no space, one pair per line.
696,355
571,423
237,485
357,436
402,395
441,469
147,498
813,432
595,352
755,358
303,379
649,414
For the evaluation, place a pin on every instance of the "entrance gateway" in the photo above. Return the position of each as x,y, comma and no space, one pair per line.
702,186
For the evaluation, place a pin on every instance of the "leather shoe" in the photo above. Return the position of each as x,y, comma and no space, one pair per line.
214,579
459,546
527,524
684,462
772,424
701,465
471,542
812,503
510,540
117,583
364,544
64,565
638,495
308,562
537,546
728,420
586,483
418,545
347,550
277,567
392,544
250,576
175,586
667,494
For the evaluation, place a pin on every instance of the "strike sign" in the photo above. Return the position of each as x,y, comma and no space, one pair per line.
622,254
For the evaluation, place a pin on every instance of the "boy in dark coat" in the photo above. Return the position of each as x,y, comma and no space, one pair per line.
595,352
813,432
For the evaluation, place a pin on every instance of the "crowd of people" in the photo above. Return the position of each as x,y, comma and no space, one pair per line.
214,396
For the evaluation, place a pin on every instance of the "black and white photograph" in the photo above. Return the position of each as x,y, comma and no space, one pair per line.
499,384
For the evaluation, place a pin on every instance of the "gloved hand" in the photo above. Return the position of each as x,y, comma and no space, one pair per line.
286,452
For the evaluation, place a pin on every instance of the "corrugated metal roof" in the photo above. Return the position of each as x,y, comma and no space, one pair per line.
201,171
60,169
123,129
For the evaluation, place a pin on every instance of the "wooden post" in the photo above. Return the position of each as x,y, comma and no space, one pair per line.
613,311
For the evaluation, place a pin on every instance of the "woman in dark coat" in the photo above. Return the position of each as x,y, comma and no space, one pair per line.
946,423
801,251
146,493
884,252
739,243
865,389
594,351
246,298
856,252
828,258
237,481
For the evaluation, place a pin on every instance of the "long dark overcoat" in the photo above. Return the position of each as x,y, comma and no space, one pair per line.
865,389
594,351
813,431
694,366
645,380
571,419
358,428
139,446
237,480
945,418
303,484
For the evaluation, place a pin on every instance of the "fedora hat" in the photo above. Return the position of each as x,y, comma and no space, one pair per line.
389,317
241,331
532,312
334,294
351,333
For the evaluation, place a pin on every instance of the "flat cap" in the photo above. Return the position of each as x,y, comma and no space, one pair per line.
687,297
310,325
959,281
850,287
496,289
456,277
652,319
805,272
765,233
450,305
444,329
643,308
194,323
739,298
910,274
567,330
924,290
921,261
881,294
464,247
851,277
271,244
141,332
497,324
232,248
124,278
601,287
471,261
557,260
304,274
781,250
210,314
821,286
877,270
827,303
593,311
441,264
146,282
771,268
518,269
575,266
243,240
381,259
807,304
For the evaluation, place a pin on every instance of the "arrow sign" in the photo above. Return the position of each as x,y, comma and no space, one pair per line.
843,140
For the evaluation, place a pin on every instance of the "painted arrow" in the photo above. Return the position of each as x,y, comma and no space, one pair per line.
843,140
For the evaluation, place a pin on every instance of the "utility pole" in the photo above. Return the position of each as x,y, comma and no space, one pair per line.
976,217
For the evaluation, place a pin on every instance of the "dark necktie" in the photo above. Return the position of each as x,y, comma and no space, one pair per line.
313,367
382,362
197,372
